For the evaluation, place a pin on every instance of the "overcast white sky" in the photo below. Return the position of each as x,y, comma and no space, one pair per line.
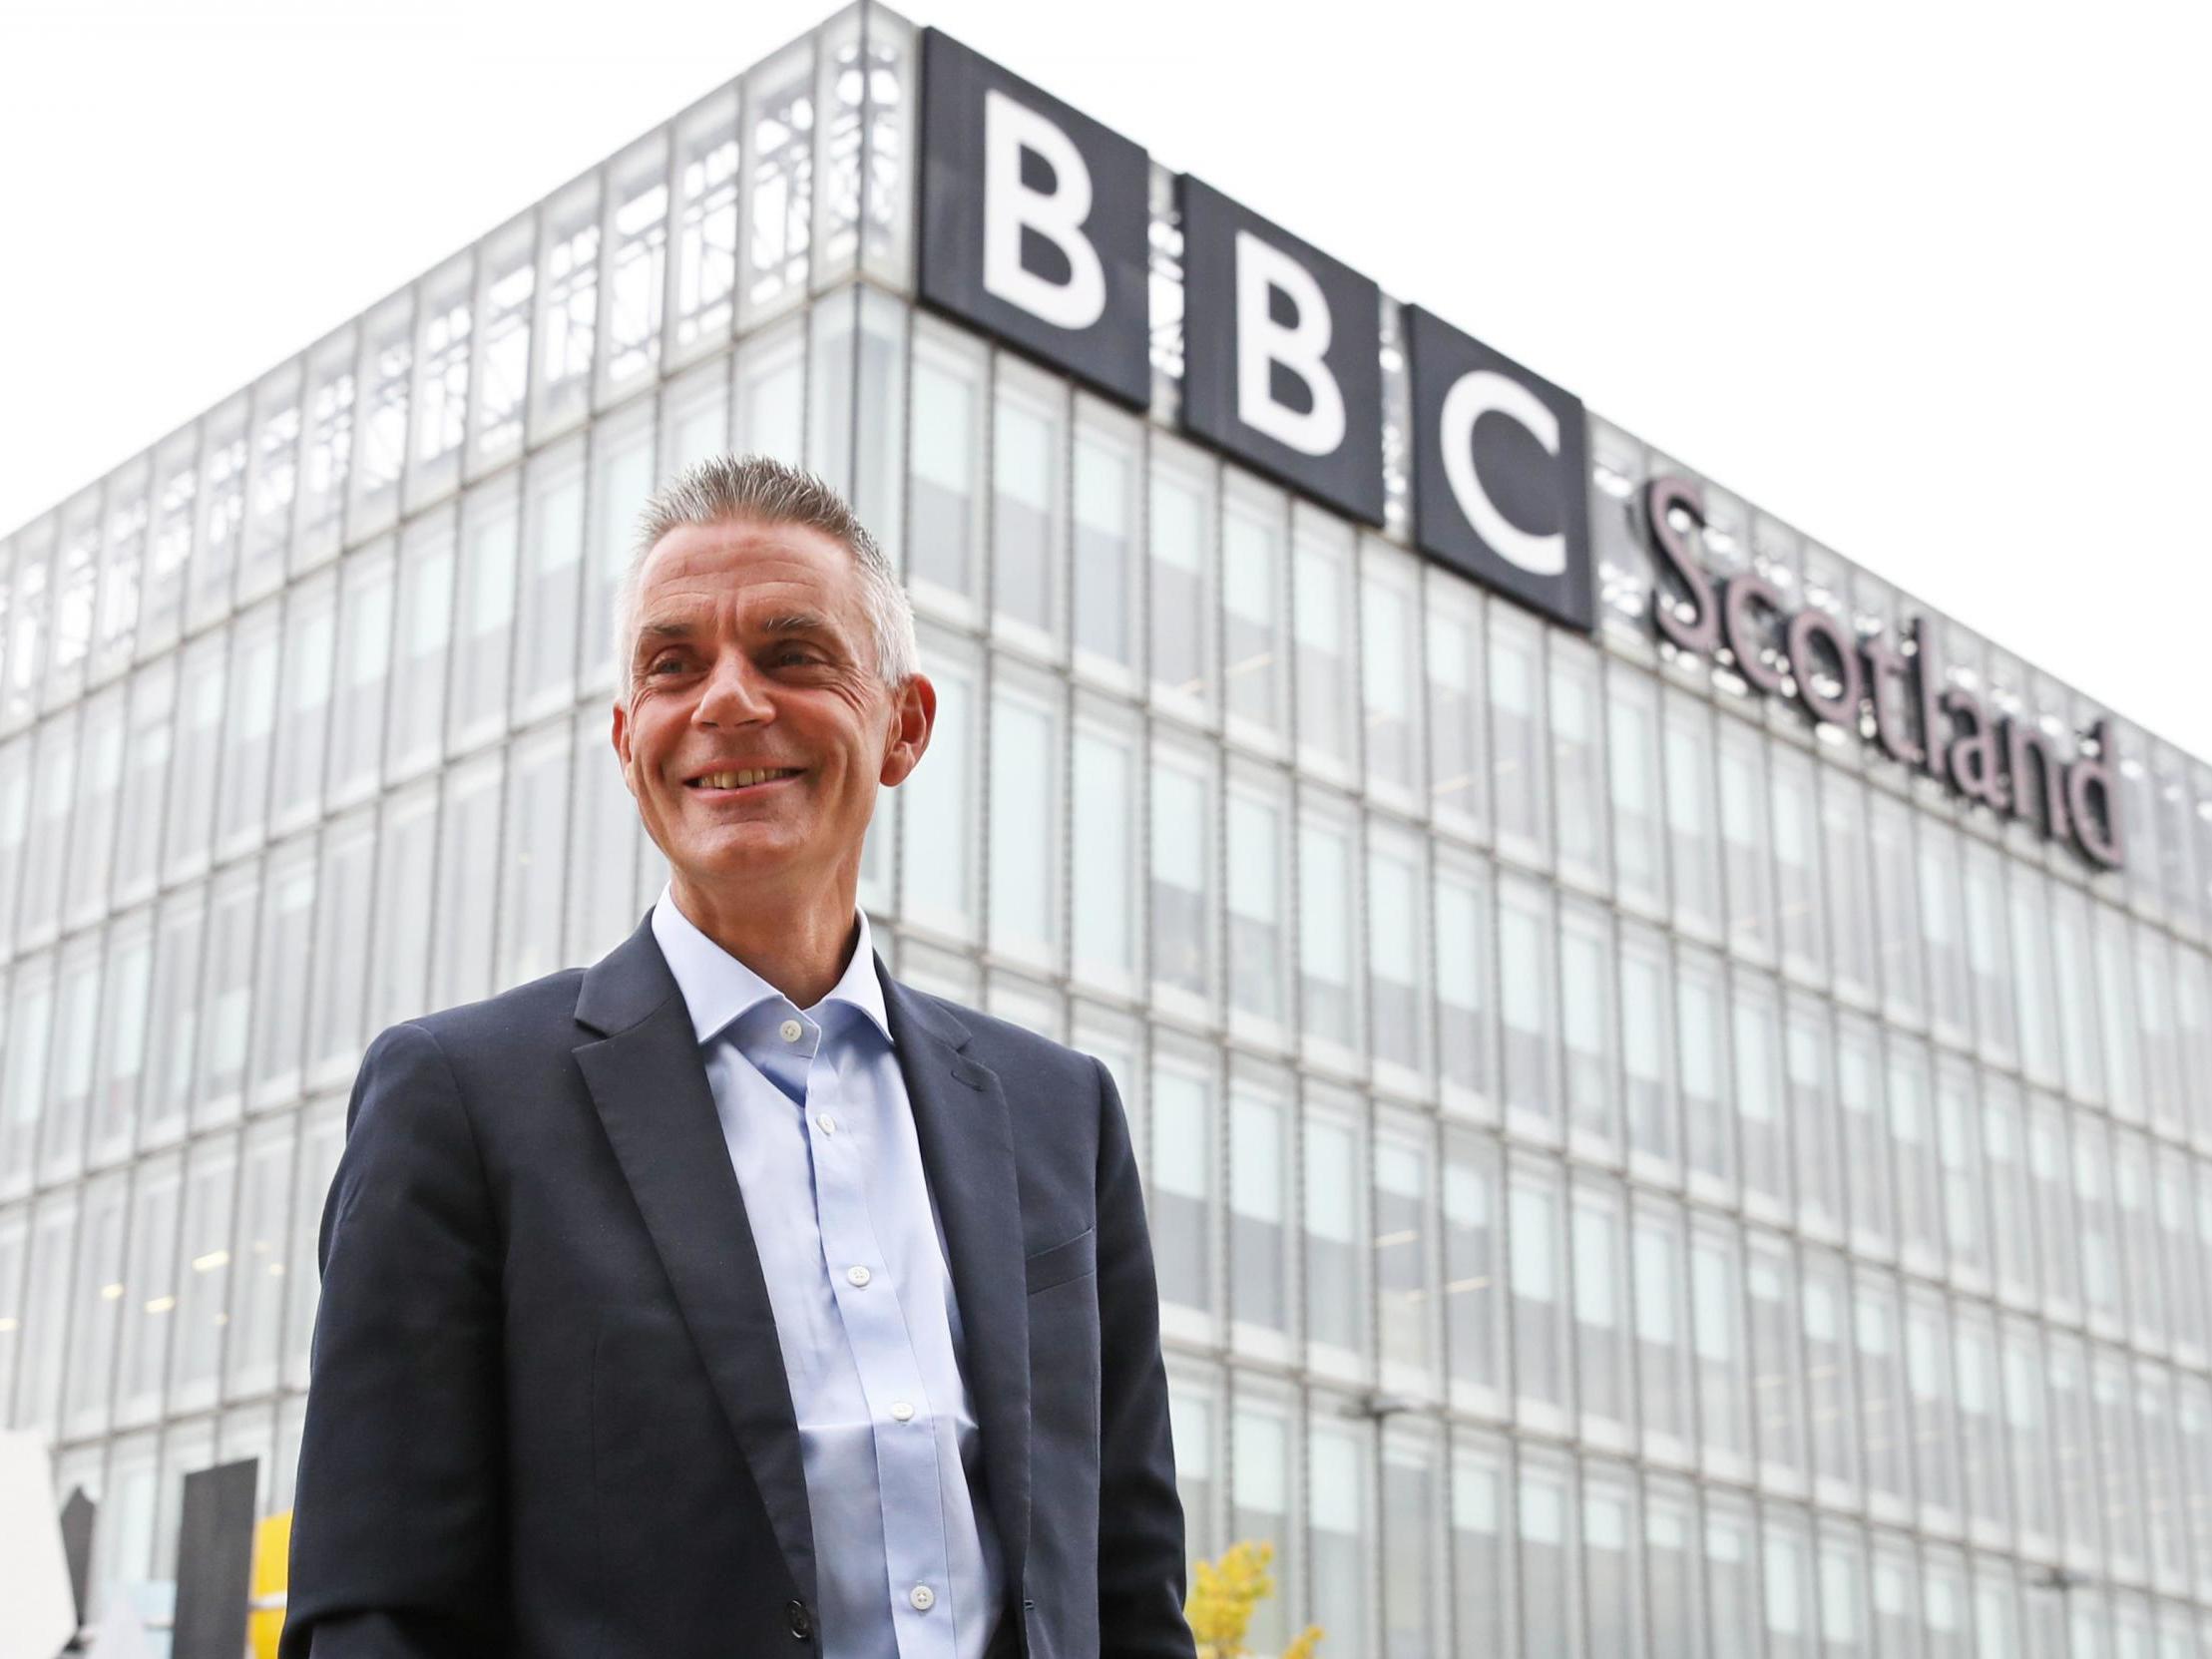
1928,281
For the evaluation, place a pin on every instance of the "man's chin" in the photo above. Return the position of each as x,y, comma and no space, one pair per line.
741,852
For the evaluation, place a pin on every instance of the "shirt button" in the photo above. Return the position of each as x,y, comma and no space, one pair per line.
824,1123
858,1277
791,1029
922,1597
902,1410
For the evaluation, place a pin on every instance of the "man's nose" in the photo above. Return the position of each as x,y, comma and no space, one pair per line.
735,694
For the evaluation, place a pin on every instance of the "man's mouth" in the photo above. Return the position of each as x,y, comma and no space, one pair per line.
723,783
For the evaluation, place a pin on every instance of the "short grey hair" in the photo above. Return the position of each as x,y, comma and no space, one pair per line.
767,491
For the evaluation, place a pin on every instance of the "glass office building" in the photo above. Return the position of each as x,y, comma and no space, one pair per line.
1632,1172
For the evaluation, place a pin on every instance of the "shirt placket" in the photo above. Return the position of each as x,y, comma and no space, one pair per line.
916,1550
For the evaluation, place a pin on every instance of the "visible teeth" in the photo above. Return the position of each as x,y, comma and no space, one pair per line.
737,780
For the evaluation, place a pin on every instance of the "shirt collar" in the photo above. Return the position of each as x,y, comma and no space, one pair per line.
718,988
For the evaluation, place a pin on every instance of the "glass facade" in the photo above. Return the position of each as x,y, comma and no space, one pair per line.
1631,1173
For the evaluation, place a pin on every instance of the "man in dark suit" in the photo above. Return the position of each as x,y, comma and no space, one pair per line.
728,1297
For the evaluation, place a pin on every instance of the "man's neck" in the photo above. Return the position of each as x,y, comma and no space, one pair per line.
802,950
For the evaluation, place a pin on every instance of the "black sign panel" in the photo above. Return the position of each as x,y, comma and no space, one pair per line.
214,1562
1282,354
1033,221
77,1519
1500,473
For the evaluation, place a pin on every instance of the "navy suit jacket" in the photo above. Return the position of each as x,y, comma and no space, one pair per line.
548,1416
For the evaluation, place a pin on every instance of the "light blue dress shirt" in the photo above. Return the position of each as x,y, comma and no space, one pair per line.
821,1134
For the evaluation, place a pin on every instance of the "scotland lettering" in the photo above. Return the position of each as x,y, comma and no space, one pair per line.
1871,683
1035,227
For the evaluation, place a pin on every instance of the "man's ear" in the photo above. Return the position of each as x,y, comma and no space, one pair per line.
621,736
913,717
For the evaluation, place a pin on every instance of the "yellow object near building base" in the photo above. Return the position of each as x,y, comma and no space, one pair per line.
273,1543
1224,1593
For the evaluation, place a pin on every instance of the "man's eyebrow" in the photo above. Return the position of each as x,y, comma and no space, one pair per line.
796,621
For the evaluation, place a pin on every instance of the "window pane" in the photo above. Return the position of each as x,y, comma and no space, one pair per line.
1403,1276
1601,1326
1662,1344
1709,1133
1849,904
1182,658
1394,952
1025,542
1458,778
96,1302
1797,845
1632,779
1325,966
1763,1135
1473,1291
1587,1019
1538,1290
1389,662
937,808
1577,760
1252,608
1259,1476
1336,1268
467,882
1182,946
1024,853
1105,794
1182,1164
1647,1056
1526,996
1517,735
1336,1513
485,606
1257,958
1320,624
1259,1243
1693,841
1546,1587
943,490
1776,1384
1104,485
1744,841
1716,1304
1463,954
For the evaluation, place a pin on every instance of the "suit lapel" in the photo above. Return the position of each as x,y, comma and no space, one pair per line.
649,1085
967,1143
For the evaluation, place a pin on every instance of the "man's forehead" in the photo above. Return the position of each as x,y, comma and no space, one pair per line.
694,574
735,548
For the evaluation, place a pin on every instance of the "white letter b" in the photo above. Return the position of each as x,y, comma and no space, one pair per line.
1010,207
1262,342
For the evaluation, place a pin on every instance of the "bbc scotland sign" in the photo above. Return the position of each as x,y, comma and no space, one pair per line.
1035,227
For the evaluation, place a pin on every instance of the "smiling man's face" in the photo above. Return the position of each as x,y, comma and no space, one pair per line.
756,732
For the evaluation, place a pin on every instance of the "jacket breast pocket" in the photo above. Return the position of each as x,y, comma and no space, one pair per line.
1059,1263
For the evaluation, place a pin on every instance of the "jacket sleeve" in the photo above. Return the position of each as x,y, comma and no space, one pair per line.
1140,1522
397,1542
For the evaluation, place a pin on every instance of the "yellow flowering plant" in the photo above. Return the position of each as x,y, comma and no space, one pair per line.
1224,1594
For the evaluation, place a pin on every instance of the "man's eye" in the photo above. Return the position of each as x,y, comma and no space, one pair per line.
664,662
